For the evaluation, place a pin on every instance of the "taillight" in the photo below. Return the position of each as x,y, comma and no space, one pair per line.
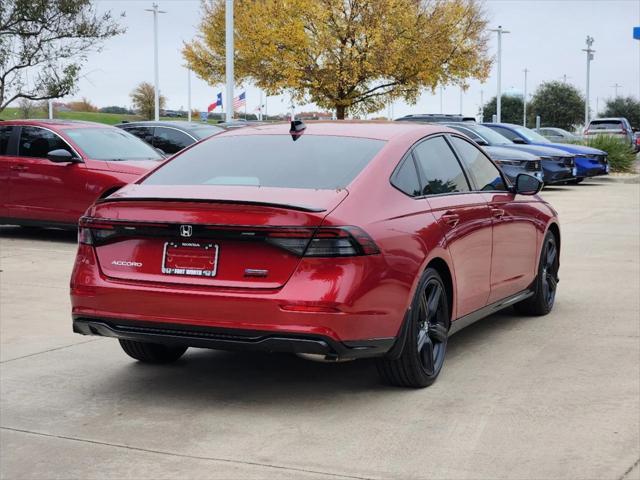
325,242
90,232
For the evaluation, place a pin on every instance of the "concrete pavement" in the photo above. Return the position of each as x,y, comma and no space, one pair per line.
519,398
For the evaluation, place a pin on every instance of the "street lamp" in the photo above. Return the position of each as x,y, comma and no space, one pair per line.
590,53
499,31
615,86
524,99
155,11
229,52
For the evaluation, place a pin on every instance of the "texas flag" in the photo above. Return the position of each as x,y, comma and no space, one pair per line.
217,103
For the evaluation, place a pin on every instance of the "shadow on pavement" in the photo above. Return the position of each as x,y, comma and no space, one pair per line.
36,233
218,376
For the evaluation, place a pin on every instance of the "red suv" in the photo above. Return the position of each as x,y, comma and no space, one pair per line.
51,171
344,240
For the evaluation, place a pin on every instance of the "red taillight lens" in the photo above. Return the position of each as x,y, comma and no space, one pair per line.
90,232
325,242
84,236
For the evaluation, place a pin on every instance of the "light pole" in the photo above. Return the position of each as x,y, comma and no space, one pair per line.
229,52
524,100
189,94
500,31
616,86
481,106
441,104
155,12
461,94
590,53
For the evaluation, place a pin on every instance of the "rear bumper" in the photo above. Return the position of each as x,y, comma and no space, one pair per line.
231,339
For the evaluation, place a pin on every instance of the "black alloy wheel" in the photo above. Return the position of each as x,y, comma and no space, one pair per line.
425,343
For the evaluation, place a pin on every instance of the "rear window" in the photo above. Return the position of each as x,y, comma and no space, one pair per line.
605,125
313,162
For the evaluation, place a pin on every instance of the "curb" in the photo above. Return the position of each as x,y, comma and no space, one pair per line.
619,179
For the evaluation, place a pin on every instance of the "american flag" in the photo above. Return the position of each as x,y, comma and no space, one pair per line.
240,101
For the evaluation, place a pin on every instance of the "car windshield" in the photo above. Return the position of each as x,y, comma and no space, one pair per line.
111,144
205,131
313,162
490,136
530,135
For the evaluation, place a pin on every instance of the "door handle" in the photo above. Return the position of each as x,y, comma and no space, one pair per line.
18,168
451,219
497,212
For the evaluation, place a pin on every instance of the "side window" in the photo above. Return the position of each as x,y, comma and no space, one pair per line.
505,132
439,168
171,141
36,142
144,133
405,178
486,174
5,135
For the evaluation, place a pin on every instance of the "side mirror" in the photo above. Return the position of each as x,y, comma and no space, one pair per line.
61,156
527,184
519,141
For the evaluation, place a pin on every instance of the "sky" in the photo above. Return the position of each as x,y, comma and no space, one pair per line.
547,38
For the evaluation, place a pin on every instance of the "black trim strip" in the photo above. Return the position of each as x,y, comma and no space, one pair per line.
289,206
230,339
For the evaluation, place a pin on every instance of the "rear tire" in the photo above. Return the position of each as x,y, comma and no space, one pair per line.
546,283
425,344
152,352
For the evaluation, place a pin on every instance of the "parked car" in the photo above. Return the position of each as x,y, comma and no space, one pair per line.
336,239
557,166
637,139
52,170
590,162
557,135
435,118
615,127
168,136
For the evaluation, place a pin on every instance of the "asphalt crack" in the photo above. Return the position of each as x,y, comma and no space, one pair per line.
629,470
49,350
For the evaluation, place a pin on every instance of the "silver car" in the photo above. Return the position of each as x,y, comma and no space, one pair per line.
615,127
557,135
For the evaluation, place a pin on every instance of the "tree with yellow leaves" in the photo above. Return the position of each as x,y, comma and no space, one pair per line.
347,55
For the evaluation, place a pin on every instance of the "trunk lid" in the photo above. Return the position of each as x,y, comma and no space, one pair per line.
219,236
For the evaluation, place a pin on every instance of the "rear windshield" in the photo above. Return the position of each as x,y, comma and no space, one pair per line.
605,125
314,162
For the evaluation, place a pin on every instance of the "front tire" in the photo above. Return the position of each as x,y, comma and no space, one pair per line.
425,345
152,352
546,283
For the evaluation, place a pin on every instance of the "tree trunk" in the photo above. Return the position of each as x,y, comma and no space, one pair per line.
340,112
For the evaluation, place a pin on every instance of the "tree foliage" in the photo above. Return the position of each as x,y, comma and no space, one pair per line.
558,104
83,105
511,109
43,44
143,99
346,55
627,107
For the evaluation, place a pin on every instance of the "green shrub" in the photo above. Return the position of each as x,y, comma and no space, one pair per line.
621,155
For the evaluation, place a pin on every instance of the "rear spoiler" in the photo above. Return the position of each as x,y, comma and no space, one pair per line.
289,206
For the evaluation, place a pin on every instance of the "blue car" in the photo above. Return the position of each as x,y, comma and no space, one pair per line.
557,166
590,162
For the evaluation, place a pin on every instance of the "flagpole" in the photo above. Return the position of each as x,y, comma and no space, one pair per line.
245,106
260,111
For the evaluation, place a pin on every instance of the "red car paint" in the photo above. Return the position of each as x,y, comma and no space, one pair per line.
38,191
489,244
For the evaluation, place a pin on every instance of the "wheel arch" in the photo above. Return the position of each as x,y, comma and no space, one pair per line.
555,229
441,266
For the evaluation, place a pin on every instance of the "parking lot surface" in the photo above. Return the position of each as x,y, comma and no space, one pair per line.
519,398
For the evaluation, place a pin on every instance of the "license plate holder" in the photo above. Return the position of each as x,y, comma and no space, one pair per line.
190,258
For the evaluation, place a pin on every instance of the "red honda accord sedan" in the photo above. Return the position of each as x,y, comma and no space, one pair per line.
51,171
340,239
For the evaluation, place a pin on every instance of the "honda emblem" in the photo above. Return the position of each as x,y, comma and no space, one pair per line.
186,230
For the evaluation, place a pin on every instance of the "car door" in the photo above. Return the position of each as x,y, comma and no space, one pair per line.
171,140
464,218
42,190
7,154
514,254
